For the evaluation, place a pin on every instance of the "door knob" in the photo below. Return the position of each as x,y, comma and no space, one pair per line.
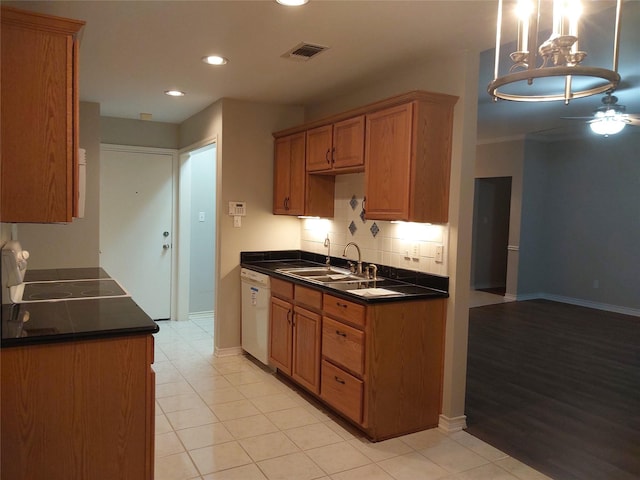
165,234
166,246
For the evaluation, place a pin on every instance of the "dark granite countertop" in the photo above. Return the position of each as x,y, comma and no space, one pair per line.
68,320
409,284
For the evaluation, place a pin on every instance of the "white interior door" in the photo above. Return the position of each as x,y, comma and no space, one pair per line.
136,201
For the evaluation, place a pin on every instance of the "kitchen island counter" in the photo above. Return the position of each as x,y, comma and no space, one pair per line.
66,320
78,387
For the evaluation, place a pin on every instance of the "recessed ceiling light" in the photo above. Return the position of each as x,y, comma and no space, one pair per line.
175,93
292,3
214,60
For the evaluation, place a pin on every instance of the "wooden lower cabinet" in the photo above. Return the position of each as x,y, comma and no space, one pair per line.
78,410
281,334
306,348
295,331
379,366
342,391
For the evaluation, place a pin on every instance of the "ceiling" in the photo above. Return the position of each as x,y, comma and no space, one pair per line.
133,51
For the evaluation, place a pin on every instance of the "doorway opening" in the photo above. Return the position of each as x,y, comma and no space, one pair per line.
197,231
489,254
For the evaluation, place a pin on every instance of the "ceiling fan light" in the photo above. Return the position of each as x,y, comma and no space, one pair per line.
607,126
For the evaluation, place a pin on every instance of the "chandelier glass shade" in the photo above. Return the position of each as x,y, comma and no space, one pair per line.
557,58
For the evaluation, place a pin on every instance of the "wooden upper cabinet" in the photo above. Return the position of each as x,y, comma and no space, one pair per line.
337,148
289,175
295,192
408,160
403,144
319,145
39,120
388,157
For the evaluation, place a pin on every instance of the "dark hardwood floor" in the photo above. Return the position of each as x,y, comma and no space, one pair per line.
557,387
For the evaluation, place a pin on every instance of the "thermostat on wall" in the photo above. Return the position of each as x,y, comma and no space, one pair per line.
238,209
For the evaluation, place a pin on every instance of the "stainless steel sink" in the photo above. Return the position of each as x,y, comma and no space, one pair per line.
324,275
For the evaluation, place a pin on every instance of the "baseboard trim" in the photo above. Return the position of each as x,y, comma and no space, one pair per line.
451,425
580,303
201,315
589,304
227,352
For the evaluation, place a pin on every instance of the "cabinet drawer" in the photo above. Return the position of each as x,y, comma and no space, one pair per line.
343,345
308,297
342,391
344,310
282,289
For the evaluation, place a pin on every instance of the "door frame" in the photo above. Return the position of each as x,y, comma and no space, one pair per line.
175,243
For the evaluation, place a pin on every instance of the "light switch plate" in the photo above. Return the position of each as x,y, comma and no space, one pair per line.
439,253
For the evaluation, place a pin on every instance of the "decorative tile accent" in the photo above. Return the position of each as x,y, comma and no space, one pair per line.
352,227
353,202
362,216
374,230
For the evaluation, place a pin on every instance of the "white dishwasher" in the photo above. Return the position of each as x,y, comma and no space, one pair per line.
256,295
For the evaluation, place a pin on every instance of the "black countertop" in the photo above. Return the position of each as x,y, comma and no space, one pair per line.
67,320
409,284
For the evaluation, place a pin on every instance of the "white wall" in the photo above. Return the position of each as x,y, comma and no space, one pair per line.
581,227
141,133
74,244
202,251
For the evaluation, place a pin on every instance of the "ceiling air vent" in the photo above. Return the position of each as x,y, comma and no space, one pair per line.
304,51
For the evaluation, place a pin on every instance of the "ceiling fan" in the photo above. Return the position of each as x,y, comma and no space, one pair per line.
610,118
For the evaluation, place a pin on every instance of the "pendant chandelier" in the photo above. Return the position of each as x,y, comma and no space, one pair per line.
558,56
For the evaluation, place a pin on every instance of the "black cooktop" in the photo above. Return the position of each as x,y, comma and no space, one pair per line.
72,290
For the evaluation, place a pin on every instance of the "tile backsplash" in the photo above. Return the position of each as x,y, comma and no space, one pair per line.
411,246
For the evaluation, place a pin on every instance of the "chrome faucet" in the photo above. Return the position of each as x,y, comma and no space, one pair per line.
327,243
344,254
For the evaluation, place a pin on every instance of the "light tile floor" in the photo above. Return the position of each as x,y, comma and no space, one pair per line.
229,419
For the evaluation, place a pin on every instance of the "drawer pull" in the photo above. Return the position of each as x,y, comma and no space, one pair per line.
339,380
342,334
343,305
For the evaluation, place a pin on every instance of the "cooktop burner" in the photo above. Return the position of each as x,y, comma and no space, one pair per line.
71,290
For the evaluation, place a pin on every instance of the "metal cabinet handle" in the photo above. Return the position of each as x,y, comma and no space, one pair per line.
339,380
326,156
342,334
289,317
364,203
333,155
342,305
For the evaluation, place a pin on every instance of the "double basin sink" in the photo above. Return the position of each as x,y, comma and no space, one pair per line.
341,279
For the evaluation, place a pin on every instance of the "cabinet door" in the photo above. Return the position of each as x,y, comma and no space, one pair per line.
319,153
297,175
388,163
289,175
281,174
280,334
39,123
306,349
348,143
